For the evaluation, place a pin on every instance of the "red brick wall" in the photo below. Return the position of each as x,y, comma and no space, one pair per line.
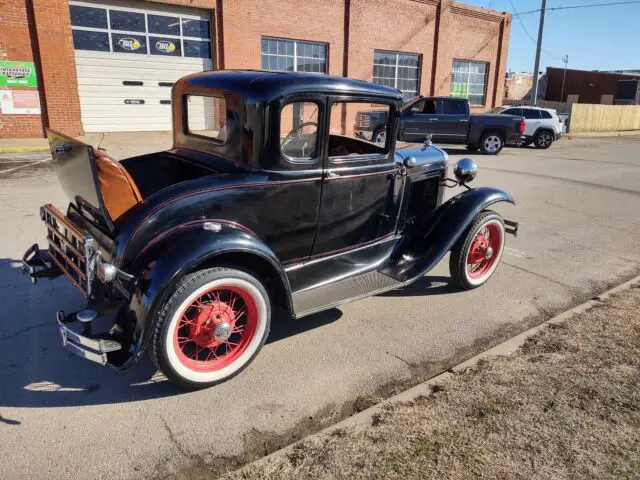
16,45
40,30
471,33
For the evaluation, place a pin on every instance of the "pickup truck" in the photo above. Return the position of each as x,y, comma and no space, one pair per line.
447,120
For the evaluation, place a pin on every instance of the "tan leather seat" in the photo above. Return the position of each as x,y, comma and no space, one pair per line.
119,191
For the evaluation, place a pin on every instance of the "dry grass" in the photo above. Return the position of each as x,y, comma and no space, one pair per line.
566,406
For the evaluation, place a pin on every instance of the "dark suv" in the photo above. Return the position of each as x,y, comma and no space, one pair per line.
448,120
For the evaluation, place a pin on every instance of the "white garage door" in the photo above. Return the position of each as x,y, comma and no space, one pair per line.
129,54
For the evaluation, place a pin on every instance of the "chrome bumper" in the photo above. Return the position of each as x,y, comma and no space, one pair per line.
90,348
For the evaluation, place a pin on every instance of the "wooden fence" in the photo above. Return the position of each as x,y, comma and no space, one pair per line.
604,118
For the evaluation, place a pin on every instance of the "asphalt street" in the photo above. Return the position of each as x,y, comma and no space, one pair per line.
578,205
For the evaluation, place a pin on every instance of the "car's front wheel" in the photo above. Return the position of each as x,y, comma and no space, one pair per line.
212,327
543,140
491,143
477,252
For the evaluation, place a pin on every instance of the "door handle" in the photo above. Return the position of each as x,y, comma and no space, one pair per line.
432,119
464,120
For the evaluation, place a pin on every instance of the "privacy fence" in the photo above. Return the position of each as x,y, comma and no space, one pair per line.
604,118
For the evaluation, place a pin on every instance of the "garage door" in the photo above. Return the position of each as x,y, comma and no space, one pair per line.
128,56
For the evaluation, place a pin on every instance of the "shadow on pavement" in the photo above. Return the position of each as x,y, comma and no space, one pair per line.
36,371
426,286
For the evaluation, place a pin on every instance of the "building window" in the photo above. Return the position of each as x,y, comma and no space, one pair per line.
122,31
293,55
469,80
398,70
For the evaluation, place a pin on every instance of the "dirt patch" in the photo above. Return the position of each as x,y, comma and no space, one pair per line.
567,405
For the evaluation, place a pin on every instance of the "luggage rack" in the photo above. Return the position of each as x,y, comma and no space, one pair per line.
70,252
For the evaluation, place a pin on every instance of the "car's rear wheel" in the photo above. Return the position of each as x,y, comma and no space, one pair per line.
477,253
543,140
491,143
380,135
212,327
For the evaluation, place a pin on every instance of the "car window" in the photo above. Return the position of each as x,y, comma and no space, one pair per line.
530,113
453,107
545,114
513,111
428,107
206,117
347,140
299,131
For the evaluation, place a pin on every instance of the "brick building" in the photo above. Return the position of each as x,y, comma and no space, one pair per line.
108,65
583,86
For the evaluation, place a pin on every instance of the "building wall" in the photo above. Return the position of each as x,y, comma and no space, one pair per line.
439,31
16,45
588,85
518,86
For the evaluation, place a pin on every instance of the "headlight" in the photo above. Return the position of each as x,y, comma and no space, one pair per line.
466,170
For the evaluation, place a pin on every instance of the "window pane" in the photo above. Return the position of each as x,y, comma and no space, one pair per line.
453,107
299,130
88,17
163,25
97,41
197,49
264,45
545,114
196,28
165,46
206,116
125,43
265,62
365,121
530,113
129,21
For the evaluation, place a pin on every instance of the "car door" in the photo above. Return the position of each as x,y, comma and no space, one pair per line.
532,120
453,120
419,120
360,195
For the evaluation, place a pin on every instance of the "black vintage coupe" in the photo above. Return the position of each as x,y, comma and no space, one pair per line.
266,200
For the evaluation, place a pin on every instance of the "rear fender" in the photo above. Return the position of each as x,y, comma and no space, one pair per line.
168,258
424,247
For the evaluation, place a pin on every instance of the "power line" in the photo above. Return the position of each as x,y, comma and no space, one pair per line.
516,14
528,12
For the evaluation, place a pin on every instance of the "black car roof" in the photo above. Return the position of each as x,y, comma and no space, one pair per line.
258,85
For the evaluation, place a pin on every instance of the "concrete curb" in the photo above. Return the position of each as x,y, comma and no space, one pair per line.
23,149
601,134
364,418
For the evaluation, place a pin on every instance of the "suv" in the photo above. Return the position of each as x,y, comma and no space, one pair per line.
543,126
447,120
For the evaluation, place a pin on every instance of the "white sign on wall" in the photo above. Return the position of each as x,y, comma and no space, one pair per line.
19,102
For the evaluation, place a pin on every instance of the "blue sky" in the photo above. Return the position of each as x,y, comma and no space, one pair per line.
598,38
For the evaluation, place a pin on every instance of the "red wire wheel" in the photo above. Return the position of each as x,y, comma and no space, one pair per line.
215,328
484,251
476,254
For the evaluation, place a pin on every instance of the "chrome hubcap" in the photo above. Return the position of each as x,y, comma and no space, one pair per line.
489,253
492,143
222,332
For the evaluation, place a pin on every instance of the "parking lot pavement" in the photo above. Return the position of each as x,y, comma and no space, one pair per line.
60,416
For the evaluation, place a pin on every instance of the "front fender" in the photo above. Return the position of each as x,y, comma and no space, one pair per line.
169,257
425,246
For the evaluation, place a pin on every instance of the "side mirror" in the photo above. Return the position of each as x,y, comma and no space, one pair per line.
410,162
466,170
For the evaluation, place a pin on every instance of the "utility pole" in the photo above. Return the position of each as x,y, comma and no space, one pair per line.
534,90
565,59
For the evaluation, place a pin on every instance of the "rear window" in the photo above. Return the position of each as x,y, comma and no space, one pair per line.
453,107
530,113
545,114
206,116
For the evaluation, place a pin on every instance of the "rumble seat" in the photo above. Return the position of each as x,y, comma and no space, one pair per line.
118,189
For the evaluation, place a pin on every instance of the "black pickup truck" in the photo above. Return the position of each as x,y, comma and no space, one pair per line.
448,121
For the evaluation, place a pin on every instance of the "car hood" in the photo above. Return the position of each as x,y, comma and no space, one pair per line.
430,158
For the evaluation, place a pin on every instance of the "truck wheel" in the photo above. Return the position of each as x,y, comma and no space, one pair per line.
543,140
491,143
211,328
477,252
380,135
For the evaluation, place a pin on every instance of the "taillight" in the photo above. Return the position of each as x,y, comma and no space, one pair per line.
522,126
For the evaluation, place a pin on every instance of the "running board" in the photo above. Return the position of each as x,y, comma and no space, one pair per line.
333,294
